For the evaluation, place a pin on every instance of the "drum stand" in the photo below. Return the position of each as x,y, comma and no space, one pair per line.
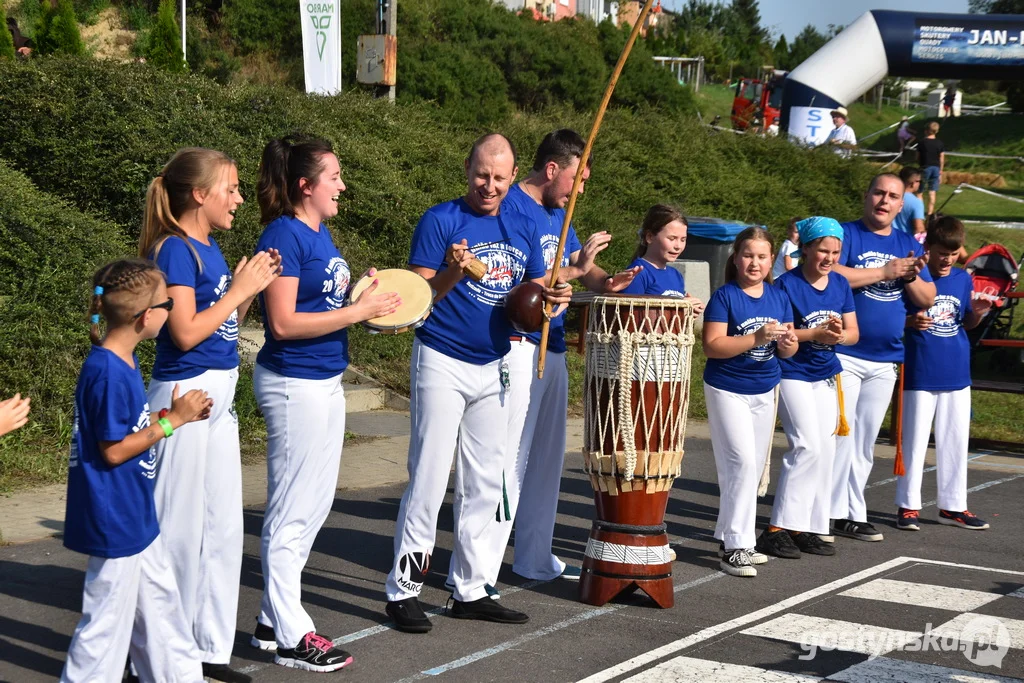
622,557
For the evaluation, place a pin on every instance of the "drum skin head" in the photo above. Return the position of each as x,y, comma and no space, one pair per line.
415,292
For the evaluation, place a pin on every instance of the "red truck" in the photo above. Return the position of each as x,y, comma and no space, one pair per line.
757,102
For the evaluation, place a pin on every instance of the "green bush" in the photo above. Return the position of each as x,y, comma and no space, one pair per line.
6,43
163,45
50,251
115,125
58,33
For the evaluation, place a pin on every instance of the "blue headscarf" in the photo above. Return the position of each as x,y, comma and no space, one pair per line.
816,227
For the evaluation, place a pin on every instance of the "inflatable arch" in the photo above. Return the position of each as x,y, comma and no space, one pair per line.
883,42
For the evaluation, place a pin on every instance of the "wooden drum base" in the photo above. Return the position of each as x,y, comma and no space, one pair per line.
621,557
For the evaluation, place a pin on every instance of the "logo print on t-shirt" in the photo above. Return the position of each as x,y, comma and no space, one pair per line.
886,290
675,293
148,461
816,319
752,325
945,315
73,462
549,247
336,286
228,330
506,266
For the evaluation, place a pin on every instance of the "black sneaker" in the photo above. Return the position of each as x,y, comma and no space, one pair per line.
964,520
862,531
224,674
752,554
486,609
907,520
812,544
313,653
737,563
408,616
777,543
263,638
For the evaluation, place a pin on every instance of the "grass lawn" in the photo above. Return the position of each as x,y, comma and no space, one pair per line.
970,204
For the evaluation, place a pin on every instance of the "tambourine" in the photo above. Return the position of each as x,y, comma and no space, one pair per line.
415,292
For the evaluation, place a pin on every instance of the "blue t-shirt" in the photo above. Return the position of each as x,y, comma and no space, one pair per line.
880,307
220,350
939,358
757,370
469,323
324,277
110,510
814,361
913,209
549,223
654,281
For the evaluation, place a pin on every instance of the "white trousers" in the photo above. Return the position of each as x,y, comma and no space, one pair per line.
867,390
533,464
305,433
809,412
199,505
741,434
130,605
951,411
456,408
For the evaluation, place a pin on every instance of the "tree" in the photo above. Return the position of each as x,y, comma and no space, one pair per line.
163,49
58,31
6,43
996,6
809,41
781,52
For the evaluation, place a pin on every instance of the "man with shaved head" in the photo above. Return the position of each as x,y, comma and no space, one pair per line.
459,385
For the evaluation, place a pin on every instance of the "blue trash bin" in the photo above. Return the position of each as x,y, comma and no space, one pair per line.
710,239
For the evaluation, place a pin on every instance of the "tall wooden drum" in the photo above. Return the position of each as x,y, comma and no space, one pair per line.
636,394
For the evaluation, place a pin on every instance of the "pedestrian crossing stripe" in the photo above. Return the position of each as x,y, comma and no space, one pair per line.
792,627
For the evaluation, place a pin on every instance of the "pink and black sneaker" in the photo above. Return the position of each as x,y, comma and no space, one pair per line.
313,653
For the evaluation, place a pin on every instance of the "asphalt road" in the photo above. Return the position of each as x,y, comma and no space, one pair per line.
721,627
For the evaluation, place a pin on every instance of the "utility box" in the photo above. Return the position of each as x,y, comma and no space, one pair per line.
376,57
710,240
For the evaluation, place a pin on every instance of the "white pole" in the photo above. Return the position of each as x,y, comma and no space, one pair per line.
183,57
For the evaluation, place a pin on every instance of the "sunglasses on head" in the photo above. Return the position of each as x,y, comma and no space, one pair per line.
167,306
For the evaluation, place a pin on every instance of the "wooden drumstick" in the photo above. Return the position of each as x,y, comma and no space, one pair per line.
578,180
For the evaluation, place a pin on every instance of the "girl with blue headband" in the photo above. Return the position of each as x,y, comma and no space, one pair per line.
823,315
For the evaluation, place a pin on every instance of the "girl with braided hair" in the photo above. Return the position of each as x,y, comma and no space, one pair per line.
130,601
199,474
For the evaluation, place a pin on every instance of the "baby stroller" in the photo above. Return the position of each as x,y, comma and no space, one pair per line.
994,273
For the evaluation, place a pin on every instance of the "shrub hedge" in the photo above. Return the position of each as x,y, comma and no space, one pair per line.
95,133
49,251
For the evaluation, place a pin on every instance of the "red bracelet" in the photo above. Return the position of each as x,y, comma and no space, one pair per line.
162,414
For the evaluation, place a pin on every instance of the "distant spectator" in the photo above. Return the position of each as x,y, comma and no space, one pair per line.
842,136
931,157
22,45
788,257
905,134
948,99
910,219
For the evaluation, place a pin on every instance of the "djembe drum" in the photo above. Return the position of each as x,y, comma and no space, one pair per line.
636,394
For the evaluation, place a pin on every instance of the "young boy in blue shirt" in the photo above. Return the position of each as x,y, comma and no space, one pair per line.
938,384
130,601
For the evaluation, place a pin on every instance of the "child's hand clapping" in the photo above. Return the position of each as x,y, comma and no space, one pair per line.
13,413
